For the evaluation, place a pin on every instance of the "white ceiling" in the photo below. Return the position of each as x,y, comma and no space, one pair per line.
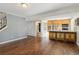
32,9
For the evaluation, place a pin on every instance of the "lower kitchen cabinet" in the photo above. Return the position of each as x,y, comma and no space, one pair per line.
71,37
52,35
60,36
63,36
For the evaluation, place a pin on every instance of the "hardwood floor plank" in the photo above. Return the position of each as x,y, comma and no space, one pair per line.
38,46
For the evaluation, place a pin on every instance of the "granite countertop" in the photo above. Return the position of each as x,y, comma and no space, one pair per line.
61,31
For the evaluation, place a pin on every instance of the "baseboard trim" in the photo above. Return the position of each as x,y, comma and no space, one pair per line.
13,40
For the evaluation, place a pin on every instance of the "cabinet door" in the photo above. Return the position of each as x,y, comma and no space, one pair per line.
52,35
60,36
71,37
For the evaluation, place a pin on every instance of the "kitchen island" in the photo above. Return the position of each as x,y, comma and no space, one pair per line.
66,36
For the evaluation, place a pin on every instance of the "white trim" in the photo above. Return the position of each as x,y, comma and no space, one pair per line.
12,13
13,40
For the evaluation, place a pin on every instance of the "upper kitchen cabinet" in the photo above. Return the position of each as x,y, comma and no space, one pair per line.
59,25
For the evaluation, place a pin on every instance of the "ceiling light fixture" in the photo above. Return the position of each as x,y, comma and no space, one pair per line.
24,5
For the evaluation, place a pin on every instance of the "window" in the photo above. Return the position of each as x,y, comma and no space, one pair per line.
3,20
77,22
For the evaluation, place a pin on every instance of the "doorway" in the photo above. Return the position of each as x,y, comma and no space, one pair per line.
38,29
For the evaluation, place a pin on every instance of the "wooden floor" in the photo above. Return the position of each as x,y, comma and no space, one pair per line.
38,46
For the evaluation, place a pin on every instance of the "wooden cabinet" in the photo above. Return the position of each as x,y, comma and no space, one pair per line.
63,36
59,24
70,37
52,35
60,36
